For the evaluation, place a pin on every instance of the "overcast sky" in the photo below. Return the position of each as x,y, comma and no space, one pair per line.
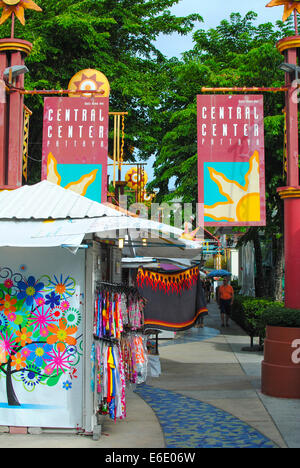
213,12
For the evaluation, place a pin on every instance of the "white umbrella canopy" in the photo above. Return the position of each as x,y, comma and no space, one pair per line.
45,214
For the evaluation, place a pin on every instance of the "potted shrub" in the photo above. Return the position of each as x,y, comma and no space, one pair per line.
247,312
281,364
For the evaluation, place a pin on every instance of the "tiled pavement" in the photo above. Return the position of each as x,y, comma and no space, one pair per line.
189,423
208,394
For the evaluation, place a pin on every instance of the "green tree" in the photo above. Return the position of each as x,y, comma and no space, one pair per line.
236,53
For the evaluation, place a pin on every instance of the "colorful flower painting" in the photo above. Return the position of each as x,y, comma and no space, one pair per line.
38,332
7,304
29,290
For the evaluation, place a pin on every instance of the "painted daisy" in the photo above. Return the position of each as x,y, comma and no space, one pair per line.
30,290
18,361
72,316
7,304
41,319
7,343
31,376
58,361
67,385
61,334
65,287
38,353
52,300
23,337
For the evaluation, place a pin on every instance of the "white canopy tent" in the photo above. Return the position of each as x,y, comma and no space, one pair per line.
47,215
70,233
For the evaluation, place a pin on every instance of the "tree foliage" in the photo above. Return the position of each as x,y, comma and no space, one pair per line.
236,53
116,37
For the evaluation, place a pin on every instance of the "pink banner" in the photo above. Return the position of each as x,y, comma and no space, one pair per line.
231,175
75,144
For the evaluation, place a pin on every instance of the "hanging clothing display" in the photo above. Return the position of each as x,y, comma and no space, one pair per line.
174,300
119,353
116,307
110,380
134,353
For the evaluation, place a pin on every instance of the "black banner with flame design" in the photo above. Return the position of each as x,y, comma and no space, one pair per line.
175,300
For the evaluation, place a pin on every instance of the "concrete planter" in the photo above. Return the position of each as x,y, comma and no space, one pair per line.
281,365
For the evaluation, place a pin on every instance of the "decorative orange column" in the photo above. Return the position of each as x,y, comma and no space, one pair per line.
291,197
3,120
12,52
291,193
280,373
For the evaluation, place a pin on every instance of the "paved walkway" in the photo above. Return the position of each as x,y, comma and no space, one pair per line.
222,382
204,398
208,395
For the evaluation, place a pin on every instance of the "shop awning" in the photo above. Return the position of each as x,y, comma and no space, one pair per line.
47,215
46,200
69,232
22,234
148,262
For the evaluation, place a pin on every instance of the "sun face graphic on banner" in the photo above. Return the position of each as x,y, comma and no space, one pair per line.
89,80
241,197
79,186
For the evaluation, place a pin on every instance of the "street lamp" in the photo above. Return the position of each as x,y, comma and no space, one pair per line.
10,74
290,68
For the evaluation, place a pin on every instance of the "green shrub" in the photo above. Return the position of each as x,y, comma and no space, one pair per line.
280,317
235,285
247,312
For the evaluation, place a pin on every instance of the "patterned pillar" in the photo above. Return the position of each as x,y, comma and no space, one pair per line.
12,52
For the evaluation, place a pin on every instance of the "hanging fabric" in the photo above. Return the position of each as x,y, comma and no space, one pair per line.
110,378
117,306
174,300
134,352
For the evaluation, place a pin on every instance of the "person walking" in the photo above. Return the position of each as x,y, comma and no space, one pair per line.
207,290
225,297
